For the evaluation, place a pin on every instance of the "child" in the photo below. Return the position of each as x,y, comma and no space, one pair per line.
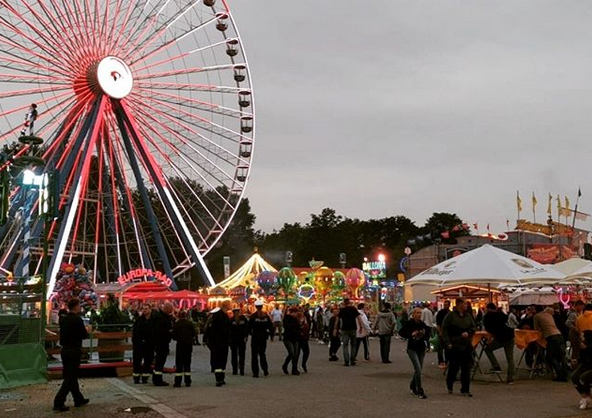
582,376
183,333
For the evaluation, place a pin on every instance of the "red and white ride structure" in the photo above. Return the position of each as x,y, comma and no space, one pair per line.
147,115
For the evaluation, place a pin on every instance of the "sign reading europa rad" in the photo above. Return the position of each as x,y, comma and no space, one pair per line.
139,275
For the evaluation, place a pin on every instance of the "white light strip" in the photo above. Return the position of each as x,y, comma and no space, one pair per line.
200,260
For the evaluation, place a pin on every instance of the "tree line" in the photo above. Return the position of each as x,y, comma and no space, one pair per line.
328,234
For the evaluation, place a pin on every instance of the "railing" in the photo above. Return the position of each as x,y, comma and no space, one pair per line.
109,346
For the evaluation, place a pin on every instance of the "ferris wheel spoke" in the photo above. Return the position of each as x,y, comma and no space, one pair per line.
180,124
23,108
38,79
13,131
181,56
135,53
186,159
24,49
185,71
21,64
120,30
48,40
54,37
200,122
133,30
191,103
188,87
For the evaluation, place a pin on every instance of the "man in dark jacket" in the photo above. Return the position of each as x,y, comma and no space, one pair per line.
260,327
238,341
218,337
183,333
143,345
72,332
496,323
162,325
457,331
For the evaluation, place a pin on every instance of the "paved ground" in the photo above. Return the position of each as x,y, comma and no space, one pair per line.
370,389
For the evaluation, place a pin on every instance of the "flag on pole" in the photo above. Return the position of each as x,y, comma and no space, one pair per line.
508,223
549,205
579,192
566,203
518,203
534,201
558,206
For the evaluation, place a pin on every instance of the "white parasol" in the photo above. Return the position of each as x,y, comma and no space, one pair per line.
487,265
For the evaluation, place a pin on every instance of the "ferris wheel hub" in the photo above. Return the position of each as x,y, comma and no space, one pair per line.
114,77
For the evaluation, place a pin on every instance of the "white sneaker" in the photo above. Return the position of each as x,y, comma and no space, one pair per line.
584,403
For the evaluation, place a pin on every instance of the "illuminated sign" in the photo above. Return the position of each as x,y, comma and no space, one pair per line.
140,275
375,269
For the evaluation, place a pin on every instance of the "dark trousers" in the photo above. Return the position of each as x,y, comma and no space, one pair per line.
258,348
363,340
385,347
237,356
460,359
305,349
71,366
582,379
183,362
556,355
293,353
162,351
143,356
218,360
219,357
334,346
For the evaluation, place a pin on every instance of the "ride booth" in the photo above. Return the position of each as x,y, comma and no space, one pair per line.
22,356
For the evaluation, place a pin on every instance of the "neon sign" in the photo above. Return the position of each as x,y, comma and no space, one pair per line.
140,275
375,269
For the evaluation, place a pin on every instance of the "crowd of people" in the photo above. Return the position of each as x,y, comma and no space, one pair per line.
447,331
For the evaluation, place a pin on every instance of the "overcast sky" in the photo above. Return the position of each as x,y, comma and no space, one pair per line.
384,108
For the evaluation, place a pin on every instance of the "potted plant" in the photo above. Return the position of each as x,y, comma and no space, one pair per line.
111,319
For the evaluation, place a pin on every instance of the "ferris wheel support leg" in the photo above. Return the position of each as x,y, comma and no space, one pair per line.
143,193
166,198
96,120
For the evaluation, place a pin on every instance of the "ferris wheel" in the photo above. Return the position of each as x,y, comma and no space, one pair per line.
146,112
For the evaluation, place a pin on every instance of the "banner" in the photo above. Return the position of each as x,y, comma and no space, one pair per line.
568,213
550,229
551,253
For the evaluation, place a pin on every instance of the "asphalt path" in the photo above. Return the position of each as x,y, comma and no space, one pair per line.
369,389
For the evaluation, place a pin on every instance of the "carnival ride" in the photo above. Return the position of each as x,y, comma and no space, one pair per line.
147,115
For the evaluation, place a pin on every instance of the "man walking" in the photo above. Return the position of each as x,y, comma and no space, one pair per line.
72,332
277,316
544,322
495,323
238,341
260,327
143,345
162,326
457,330
218,337
349,322
385,324
439,321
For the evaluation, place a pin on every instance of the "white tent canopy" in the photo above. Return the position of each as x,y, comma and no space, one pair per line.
573,265
487,265
543,296
582,276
